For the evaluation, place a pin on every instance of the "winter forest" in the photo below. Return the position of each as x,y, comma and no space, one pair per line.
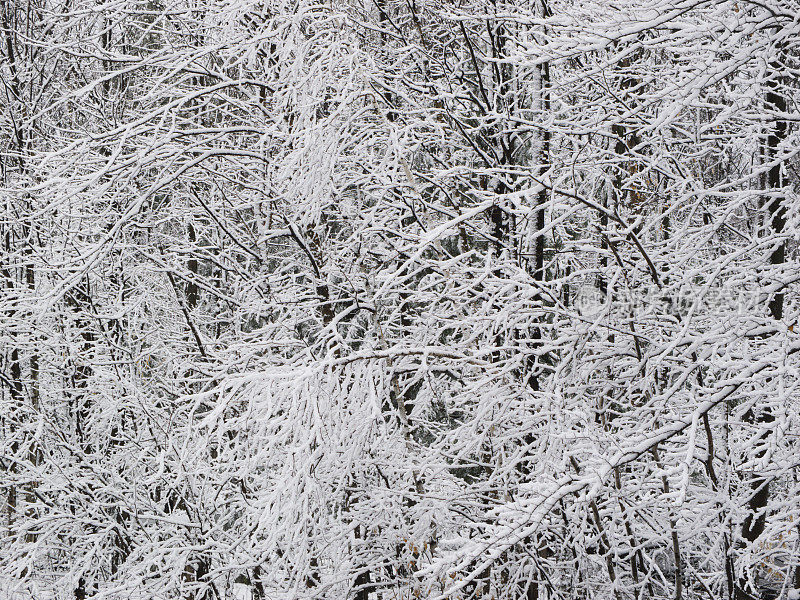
399,299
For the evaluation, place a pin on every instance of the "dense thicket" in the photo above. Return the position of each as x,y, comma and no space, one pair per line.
393,299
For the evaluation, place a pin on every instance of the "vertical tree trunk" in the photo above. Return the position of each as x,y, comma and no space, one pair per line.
775,101
19,236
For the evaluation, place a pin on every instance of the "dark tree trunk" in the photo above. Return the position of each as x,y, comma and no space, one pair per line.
756,519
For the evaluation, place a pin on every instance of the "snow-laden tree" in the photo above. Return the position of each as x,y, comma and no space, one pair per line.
383,300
